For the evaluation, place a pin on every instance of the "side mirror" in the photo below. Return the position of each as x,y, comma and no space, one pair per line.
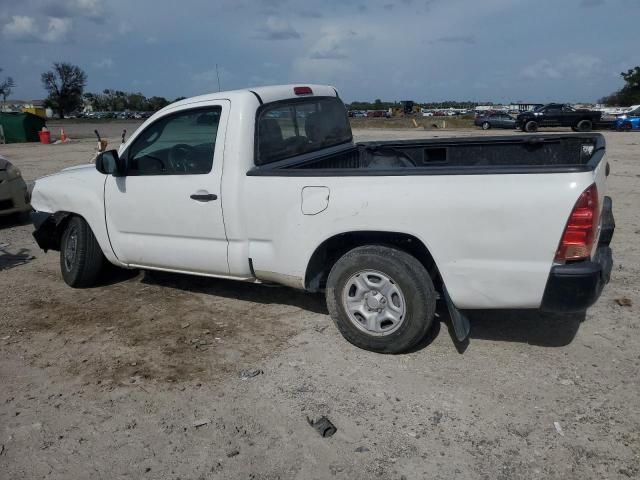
110,163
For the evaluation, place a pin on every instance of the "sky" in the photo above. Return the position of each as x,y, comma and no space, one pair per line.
423,50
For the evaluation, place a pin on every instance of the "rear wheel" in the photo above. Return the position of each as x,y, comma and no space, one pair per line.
486,126
584,126
531,126
381,299
81,258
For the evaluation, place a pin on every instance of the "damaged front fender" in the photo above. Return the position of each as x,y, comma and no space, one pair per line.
48,229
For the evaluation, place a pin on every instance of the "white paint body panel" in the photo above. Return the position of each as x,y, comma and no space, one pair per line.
493,237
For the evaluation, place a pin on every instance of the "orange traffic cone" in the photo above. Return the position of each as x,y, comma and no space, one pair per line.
63,137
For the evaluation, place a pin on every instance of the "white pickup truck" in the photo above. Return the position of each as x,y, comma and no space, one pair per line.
267,185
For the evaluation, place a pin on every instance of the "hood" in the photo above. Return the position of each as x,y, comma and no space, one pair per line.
69,190
87,166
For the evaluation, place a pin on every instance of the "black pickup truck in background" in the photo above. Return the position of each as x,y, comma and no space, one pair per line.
558,115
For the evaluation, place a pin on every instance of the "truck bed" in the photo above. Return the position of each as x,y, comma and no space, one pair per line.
448,156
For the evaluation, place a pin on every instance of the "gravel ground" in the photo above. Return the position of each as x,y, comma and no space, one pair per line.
140,378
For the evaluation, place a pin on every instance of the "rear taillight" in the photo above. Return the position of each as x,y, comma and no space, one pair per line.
582,226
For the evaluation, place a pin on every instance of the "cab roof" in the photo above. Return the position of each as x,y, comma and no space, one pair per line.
268,94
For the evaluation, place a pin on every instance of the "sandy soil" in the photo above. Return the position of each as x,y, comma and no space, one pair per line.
112,382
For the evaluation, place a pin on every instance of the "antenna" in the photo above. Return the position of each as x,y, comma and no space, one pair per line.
218,75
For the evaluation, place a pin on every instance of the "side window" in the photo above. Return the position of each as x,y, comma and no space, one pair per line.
178,144
295,127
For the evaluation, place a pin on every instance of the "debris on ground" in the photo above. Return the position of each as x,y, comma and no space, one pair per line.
624,301
233,453
184,325
201,423
323,426
558,428
250,373
361,449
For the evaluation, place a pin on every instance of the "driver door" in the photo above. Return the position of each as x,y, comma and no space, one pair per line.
166,212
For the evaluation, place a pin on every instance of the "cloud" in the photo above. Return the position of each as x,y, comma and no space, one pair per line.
541,69
106,63
57,30
464,39
91,9
278,29
21,28
331,44
572,65
24,28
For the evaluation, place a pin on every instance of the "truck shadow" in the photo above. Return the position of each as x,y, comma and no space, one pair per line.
250,292
10,260
521,326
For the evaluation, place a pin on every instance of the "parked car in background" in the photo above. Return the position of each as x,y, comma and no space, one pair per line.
378,114
558,115
630,120
495,120
14,196
627,123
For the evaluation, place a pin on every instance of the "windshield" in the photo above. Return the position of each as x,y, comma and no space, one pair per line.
294,127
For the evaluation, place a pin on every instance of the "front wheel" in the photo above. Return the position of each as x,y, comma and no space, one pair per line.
381,299
486,126
81,258
584,126
531,126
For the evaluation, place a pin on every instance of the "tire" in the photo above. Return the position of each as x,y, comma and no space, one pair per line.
486,126
81,258
584,126
408,293
531,126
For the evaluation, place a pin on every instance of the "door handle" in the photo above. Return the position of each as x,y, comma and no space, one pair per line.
204,197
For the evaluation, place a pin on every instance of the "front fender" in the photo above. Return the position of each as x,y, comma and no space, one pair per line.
77,191
48,229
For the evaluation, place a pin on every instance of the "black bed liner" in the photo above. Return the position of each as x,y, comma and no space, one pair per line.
513,154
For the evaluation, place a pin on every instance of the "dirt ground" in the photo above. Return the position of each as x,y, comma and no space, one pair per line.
140,378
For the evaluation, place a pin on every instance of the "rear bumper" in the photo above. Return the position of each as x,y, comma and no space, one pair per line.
574,287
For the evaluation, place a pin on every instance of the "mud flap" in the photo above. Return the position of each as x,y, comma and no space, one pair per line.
459,321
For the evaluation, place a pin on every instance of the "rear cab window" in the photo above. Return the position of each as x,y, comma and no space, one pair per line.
298,126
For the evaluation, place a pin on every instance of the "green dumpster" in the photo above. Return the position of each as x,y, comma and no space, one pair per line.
21,127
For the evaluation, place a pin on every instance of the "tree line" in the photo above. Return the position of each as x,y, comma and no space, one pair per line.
627,95
65,84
